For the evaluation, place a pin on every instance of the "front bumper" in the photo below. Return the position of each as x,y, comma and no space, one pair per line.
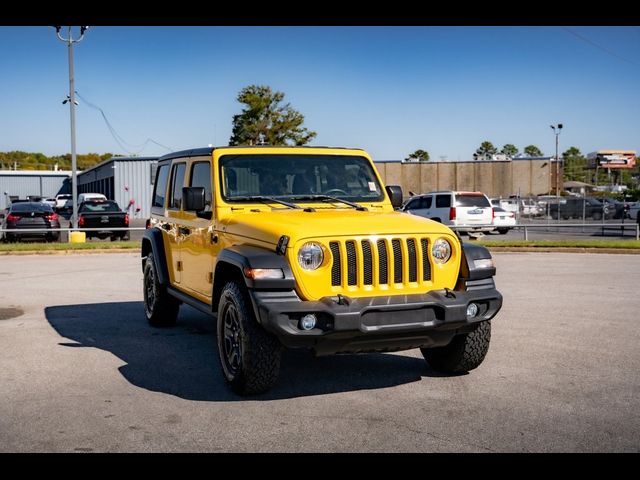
389,323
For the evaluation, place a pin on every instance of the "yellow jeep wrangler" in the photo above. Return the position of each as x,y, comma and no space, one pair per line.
300,247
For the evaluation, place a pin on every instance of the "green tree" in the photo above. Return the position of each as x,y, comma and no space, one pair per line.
509,149
575,166
265,118
486,148
533,151
418,156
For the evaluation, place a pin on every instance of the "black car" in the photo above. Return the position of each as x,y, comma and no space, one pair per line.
577,207
27,217
105,215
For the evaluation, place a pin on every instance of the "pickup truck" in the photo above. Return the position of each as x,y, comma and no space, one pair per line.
103,214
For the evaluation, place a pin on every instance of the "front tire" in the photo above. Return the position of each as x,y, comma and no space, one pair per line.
249,355
464,353
160,308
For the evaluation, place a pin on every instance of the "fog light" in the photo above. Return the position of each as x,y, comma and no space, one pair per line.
472,310
308,322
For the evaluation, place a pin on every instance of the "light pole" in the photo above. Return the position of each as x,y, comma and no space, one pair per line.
72,104
556,130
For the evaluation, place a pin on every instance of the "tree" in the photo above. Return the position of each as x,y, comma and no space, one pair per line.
575,165
418,156
265,119
533,151
486,148
509,149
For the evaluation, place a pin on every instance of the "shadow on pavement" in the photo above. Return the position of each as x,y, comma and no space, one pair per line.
183,360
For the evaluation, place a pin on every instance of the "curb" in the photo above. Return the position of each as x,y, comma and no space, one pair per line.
72,252
626,251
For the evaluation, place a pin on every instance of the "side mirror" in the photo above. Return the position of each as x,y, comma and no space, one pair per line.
395,195
193,199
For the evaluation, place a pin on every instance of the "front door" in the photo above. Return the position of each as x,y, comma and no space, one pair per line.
199,247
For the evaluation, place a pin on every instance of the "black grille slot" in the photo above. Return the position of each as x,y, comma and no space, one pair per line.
413,260
352,265
397,261
336,269
367,259
383,267
426,266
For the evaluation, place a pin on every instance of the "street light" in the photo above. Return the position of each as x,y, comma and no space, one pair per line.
71,99
556,130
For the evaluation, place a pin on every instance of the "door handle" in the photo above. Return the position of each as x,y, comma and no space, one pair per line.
184,230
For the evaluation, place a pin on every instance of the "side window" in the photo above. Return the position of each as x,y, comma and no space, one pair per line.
443,201
426,202
413,204
201,177
177,181
160,188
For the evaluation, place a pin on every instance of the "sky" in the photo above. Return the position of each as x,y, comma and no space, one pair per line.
388,90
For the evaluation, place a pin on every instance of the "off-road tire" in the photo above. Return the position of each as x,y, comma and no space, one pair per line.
464,353
249,355
160,308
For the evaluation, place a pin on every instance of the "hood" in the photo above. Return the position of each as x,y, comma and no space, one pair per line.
269,226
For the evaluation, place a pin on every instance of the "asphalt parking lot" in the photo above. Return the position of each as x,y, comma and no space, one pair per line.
82,371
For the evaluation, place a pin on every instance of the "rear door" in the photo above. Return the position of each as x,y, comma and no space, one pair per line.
173,236
199,248
473,209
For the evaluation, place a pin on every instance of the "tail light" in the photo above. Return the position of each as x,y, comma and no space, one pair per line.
452,213
81,221
13,218
126,219
493,214
52,217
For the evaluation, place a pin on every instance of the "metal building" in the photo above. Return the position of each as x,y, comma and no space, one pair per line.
20,184
127,180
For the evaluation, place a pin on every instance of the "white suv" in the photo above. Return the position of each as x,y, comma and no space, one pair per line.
464,211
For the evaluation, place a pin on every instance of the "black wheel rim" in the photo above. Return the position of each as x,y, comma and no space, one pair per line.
232,346
150,289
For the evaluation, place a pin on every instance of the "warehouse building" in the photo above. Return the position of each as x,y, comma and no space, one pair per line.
127,180
22,184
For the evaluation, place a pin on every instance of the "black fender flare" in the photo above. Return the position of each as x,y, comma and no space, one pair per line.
245,257
468,270
152,242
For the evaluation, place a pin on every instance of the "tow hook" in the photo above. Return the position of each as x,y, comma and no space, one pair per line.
448,293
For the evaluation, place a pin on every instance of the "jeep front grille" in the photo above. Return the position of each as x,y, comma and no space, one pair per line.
363,263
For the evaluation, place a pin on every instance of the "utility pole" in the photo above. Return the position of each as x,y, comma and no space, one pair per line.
557,133
72,105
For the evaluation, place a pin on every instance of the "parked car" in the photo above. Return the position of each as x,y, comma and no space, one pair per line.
28,216
618,209
103,214
85,197
634,211
50,201
577,207
464,211
503,220
64,202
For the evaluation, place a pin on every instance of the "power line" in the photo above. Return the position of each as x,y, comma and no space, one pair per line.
600,47
117,137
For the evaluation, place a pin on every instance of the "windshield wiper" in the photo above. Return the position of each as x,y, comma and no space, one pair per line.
325,198
261,198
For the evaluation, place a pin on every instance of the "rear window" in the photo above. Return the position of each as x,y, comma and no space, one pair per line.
472,201
100,207
31,207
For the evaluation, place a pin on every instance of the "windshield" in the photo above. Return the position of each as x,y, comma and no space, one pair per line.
298,177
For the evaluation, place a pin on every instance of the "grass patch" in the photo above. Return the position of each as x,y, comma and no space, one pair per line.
45,247
561,243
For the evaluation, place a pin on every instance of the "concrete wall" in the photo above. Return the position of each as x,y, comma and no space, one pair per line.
494,178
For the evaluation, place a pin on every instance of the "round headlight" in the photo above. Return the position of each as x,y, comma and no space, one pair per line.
310,256
441,250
